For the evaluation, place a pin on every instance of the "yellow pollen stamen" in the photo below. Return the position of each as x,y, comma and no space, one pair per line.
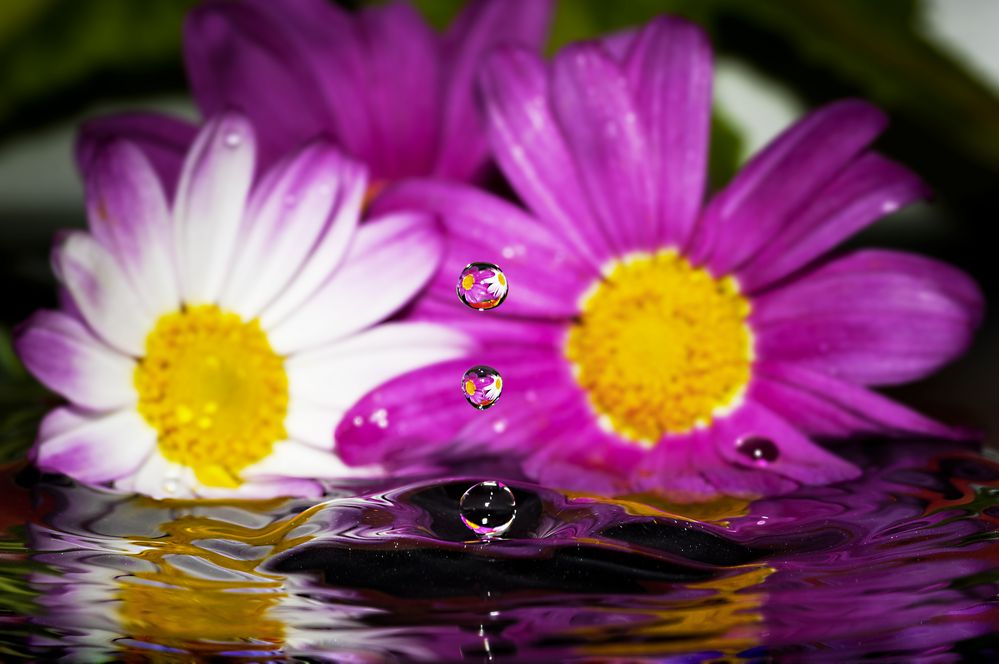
467,282
214,390
469,387
661,346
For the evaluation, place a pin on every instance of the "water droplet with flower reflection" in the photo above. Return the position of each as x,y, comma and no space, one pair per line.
759,450
488,509
481,386
482,286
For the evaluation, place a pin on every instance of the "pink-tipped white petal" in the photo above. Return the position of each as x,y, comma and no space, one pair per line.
66,357
211,197
389,261
95,448
101,292
294,212
129,215
369,359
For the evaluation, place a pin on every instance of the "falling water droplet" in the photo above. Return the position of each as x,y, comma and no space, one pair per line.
762,451
481,386
482,286
488,509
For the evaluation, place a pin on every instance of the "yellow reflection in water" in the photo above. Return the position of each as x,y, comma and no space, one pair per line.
728,621
203,593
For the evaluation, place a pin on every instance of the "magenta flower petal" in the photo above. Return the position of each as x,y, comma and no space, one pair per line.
249,56
400,105
66,357
757,204
129,216
872,317
826,406
798,458
480,26
532,152
669,65
864,191
163,139
401,420
380,83
547,278
593,105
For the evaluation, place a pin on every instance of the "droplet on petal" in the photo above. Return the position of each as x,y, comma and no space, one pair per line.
488,509
233,140
482,286
481,386
761,451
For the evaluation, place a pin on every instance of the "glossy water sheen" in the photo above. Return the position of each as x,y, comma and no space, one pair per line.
488,508
899,565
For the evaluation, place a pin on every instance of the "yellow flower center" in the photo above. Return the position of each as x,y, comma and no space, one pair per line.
661,346
501,279
467,282
214,390
469,387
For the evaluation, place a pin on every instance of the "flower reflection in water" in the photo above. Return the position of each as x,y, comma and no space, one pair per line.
898,563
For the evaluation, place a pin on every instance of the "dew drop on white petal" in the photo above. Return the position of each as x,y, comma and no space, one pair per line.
482,286
481,386
170,485
488,509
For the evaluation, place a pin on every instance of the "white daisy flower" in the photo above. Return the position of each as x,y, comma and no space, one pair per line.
209,347
496,285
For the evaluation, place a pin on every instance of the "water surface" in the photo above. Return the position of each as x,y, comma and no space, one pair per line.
901,564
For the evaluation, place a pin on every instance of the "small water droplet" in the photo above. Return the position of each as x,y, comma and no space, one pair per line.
481,386
759,450
233,140
482,286
488,509
170,485
379,418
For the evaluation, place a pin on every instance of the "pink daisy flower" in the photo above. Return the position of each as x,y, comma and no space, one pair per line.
655,341
208,344
380,82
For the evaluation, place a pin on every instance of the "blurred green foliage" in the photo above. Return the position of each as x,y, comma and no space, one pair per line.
61,56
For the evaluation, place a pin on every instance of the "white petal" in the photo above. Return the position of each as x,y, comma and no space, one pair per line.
95,448
339,374
101,292
311,423
211,197
161,478
389,261
291,458
302,213
327,255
